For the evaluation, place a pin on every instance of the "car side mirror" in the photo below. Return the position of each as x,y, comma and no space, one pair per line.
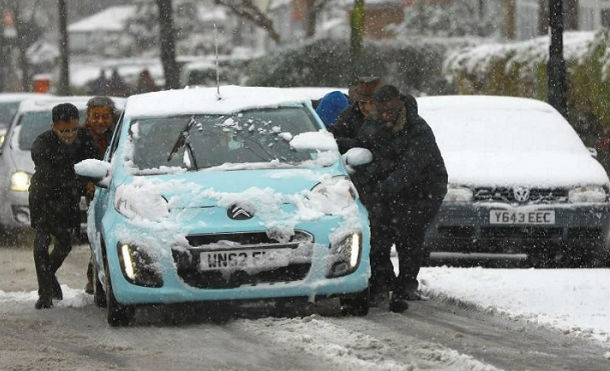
357,156
592,151
95,171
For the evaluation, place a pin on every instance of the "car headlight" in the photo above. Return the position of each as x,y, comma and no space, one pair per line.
138,267
344,255
587,194
458,194
2,139
20,181
333,194
144,205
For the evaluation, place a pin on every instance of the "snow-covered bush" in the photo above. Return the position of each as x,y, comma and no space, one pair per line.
413,65
520,69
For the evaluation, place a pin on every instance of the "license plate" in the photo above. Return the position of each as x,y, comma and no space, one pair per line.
244,259
522,217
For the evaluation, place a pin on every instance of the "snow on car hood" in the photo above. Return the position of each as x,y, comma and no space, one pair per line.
533,169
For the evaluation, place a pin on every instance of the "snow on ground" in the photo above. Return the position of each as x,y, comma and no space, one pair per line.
72,298
572,300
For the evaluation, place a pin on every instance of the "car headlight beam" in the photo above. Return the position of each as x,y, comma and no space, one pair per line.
20,181
128,265
138,267
344,255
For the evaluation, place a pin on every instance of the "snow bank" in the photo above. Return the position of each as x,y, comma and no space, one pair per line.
572,300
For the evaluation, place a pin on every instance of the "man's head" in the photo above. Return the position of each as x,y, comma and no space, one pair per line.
65,122
362,93
388,104
100,115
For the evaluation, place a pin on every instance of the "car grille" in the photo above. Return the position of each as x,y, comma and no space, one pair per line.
187,261
521,232
584,233
536,196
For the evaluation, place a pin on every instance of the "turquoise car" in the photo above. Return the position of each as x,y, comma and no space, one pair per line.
229,195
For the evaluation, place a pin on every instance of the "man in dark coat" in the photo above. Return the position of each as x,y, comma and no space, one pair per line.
403,189
350,121
100,120
54,195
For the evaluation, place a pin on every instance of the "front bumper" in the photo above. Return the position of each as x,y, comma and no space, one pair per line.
175,290
463,230
15,210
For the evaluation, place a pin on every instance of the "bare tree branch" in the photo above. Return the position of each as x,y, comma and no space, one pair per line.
246,9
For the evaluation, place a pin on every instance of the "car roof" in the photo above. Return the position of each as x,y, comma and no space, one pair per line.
47,103
17,97
202,100
483,102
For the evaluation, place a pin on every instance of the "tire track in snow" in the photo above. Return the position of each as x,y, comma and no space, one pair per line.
355,350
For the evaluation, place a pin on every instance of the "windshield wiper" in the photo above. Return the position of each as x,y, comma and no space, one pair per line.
183,141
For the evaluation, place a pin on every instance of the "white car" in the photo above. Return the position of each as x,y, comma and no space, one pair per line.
9,103
16,166
522,185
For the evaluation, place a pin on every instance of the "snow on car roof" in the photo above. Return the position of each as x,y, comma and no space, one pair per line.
204,100
16,97
47,103
486,102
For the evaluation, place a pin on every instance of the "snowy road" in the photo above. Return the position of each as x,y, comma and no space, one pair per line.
432,335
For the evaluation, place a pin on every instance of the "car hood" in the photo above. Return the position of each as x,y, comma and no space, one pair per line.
531,169
205,189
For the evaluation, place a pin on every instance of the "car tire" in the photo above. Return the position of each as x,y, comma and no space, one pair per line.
99,296
117,313
356,305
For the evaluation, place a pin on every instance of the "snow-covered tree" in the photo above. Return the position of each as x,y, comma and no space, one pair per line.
447,18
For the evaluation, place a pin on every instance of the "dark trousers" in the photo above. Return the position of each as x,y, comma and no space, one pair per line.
47,263
408,236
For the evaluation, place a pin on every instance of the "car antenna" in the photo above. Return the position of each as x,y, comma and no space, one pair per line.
218,96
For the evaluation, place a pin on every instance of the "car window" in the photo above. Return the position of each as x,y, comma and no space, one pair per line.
30,126
7,112
251,136
114,142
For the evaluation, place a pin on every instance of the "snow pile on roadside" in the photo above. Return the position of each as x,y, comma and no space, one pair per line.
72,298
572,300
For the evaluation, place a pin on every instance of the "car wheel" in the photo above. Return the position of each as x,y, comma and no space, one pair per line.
117,313
356,305
99,296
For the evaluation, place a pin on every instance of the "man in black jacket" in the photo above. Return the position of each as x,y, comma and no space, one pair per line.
54,196
402,188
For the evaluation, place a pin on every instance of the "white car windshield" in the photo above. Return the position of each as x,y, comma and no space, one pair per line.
254,136
30,126
501,130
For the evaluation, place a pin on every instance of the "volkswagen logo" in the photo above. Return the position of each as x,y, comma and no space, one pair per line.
237,212
521,194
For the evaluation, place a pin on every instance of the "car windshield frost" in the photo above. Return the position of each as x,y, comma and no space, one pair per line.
253,136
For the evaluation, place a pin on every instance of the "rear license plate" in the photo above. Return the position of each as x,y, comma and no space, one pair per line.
522,217
244,259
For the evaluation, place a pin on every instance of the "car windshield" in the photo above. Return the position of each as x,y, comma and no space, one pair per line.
30,126
254,136
7,111
501,130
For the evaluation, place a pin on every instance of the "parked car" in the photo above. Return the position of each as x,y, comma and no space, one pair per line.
242,196
33,117
522,185
9,103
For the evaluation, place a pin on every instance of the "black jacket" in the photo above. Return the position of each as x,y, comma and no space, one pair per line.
407,178
55,190
347,126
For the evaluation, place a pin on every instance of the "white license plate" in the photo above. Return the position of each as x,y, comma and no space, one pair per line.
522,217
244,259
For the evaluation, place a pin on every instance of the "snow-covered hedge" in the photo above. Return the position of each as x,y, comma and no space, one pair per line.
413,65
519,69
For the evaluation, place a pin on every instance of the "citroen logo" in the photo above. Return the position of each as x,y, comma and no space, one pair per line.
521,194
237,212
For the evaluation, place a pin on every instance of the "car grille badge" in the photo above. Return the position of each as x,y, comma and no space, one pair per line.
521,194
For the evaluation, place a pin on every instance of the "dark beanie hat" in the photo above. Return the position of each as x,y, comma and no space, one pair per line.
64,112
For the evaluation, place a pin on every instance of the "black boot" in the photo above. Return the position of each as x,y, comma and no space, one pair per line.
398,304
43,303
57,293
